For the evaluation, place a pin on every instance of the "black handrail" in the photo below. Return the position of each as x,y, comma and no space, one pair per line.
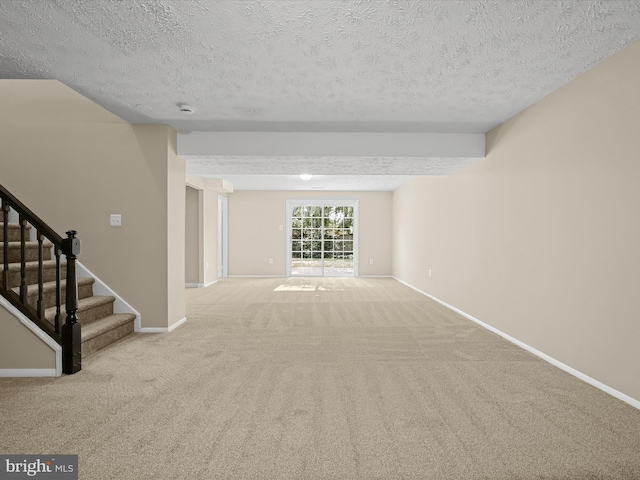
67,335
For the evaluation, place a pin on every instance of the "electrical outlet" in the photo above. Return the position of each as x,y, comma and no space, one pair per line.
371,261
116,220
271,260
429,273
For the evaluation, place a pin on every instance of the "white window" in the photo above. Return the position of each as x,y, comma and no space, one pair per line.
322,237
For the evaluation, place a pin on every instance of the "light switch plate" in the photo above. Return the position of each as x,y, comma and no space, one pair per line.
116,220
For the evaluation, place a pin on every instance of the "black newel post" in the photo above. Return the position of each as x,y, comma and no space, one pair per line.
71,350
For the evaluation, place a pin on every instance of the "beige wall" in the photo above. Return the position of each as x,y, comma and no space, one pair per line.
540,239
20,348
192,236
74,164
254,235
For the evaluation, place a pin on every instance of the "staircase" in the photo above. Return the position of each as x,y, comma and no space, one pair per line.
100,326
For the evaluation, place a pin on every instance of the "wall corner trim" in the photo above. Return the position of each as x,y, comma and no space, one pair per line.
556,363
162,329
199,285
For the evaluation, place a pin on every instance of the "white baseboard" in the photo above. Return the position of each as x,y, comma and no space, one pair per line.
257,276
199,285
28,372
162,329
562,366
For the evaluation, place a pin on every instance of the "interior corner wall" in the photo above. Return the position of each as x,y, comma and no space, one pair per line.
175,222
74,174
540,239
255,218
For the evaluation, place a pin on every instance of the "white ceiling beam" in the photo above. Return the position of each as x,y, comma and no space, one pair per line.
306,144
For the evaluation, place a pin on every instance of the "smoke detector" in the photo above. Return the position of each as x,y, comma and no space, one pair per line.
186,109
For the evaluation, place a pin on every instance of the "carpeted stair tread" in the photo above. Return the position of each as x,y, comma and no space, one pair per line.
33,265
31,251
13,231
105,324
16,244
51,286
84,304
31,272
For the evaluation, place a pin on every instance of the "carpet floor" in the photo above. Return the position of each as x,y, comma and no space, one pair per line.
321,378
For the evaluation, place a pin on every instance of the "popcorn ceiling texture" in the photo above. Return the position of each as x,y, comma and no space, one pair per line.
314,65
404,65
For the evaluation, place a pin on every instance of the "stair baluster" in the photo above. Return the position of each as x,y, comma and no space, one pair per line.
40,305
23,260
5,244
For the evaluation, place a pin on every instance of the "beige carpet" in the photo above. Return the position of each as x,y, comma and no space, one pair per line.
321,379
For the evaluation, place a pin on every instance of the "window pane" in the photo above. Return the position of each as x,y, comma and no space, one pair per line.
328,245
316,245
297,212
296,255
348,246
296,233
328,254
306,246
316,255
296,246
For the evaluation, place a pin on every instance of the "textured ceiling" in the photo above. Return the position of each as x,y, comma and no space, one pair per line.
313,65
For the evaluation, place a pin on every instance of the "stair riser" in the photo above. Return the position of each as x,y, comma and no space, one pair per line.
96,313
48,273
49,298
30,252
107,338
